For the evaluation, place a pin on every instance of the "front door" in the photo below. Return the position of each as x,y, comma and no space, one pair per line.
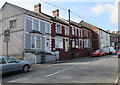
66,44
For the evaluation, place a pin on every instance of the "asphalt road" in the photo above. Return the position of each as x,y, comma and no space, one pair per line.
89,70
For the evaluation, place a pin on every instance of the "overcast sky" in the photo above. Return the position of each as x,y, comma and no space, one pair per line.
101,13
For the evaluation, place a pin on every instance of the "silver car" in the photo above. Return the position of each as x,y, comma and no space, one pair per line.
8,64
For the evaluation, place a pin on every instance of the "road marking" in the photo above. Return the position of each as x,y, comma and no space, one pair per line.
59,71
75,63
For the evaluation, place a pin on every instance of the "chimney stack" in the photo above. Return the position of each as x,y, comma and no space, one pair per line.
108,31
113,32
56,13
37,8
117,32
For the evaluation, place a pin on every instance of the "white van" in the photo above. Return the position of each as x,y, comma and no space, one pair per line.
109,50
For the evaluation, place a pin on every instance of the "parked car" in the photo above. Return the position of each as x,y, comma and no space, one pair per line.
98,53
109,50
8,64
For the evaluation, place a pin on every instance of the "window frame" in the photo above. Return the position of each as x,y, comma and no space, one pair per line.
59,44
33,22
86,43
73,43
47,30
12,23
67,30
36,41
59,28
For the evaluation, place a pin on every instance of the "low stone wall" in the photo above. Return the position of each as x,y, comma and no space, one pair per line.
37,59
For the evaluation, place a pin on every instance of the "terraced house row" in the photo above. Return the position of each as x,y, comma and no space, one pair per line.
39,37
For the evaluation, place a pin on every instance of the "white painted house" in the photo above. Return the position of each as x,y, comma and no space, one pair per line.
30,33
104,38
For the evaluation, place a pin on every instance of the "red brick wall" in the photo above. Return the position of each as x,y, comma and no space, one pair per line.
63,30
95,37
78,54
53,44
53,31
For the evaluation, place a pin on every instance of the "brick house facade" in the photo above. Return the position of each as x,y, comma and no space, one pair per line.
115,40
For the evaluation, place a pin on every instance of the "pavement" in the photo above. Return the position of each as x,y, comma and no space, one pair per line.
85,70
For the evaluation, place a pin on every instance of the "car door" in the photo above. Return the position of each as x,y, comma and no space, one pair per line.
12,64
3,65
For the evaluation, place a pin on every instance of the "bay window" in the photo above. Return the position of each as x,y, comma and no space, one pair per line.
86,42
35,41
73,43
77,43
59,42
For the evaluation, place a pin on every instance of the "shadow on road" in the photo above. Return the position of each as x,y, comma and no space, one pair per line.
6,77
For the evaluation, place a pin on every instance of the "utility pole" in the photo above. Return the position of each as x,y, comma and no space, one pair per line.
70,38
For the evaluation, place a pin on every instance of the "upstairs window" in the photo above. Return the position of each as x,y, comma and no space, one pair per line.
73,31
80,32
47,28
12,23
58,29
36,25
28,24
66,30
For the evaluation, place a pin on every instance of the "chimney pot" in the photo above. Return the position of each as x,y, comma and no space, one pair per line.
37,8
56,13
113,32
108,31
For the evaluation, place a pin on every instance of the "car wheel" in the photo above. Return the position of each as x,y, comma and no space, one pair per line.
25,68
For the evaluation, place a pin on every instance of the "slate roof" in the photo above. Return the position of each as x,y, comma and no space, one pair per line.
31,13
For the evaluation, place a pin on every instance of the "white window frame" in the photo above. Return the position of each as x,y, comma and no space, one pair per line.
60,28
73,43
76,42
47,30
86,43
73,30
35,41
80,32
59,46
67,30
80,46
33,24
12,23
76,31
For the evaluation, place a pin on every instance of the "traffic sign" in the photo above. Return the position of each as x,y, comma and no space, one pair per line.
7,36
